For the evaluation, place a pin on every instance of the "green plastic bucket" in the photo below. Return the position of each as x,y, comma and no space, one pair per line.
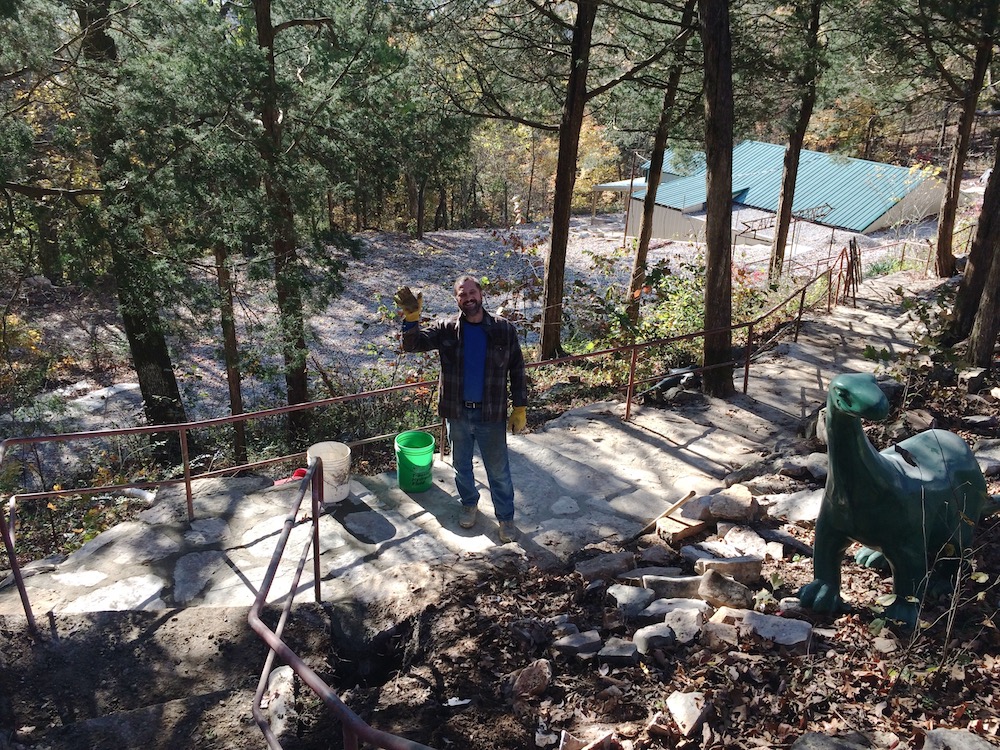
414,460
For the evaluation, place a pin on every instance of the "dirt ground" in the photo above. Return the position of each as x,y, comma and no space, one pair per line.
446,676
451,683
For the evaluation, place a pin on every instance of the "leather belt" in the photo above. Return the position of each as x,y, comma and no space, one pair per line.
473,404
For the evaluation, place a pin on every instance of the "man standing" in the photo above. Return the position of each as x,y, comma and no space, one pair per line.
479,355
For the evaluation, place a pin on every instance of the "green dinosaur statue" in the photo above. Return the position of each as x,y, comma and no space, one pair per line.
916,502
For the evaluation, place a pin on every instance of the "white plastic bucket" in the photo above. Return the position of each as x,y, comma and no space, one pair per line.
336,458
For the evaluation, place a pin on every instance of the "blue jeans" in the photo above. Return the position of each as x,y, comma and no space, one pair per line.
491,437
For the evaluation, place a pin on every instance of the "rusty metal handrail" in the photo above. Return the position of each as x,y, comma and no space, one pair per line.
353,726
182,429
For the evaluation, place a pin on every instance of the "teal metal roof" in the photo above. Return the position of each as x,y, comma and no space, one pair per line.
853,193
679,164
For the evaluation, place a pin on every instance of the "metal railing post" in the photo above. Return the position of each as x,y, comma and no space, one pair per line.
630,391
798,316
316,487
188,492
746,367
15,568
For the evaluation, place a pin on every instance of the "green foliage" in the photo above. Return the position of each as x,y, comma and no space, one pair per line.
65,524
886,266
23,363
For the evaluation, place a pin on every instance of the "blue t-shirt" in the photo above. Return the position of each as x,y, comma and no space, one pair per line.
474,355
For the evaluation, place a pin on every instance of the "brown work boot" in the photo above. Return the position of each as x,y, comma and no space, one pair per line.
508,532
467,518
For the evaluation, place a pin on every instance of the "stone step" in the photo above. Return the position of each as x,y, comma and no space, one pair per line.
660,449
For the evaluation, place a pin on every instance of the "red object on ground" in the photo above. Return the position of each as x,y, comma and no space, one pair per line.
296,475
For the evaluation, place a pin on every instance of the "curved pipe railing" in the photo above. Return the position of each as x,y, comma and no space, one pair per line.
353,726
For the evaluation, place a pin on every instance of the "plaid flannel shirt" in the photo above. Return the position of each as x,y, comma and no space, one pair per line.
504,362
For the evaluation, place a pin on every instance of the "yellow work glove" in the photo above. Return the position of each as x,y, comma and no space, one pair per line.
408,304
518,419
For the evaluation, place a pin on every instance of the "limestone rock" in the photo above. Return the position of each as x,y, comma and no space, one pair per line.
656,553
719,591
686,624
745,540
688,710
279,701
660,636
981,422
588,642
708,549
955,739
818,741
972,379
745,569
630,599
719,636
605,566
989,467
729,615
562,629
619,652
795,634
659,608
673,587
798,506
772,484
735,503
534,679
789,543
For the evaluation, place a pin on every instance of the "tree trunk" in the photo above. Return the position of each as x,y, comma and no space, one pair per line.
981,258
161,397
441,212
638,279
983,339
656,166
134,281
287,265
531,181
421,206
412,201
288,292
649,202
793,152
49,259
944,264
549,345
231,353
717,44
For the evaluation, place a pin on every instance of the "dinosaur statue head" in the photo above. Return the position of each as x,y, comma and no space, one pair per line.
858,395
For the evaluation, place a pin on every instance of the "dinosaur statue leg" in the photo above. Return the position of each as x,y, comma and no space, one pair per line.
909,579
870,558
823,592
